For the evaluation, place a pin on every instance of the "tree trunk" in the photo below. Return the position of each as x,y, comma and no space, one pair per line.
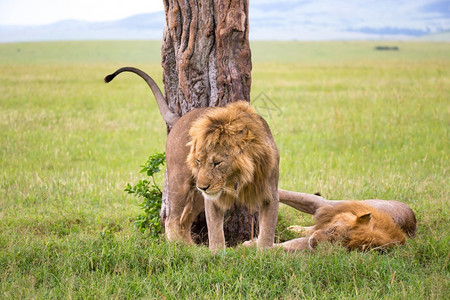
207,62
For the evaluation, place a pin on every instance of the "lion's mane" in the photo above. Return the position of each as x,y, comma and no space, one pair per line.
239,131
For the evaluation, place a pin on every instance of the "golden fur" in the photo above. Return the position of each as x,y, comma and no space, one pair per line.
400,212
358,226
230,152
354,224
229,155
216,157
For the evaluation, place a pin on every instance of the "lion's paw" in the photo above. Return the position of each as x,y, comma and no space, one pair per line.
300,229
251,243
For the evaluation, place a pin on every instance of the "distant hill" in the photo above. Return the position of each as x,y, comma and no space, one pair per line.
436,37
143,26
275,20
347,19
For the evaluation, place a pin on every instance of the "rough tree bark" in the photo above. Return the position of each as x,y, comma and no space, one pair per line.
207,62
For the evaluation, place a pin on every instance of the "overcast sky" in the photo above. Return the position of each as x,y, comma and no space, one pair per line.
39,12
387,13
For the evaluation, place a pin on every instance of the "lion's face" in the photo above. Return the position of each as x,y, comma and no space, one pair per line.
214,173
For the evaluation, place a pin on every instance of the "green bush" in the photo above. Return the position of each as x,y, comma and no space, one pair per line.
150,194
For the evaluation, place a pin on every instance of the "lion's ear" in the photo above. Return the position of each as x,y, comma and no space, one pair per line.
364,219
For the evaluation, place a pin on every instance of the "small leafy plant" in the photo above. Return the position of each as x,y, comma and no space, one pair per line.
151,195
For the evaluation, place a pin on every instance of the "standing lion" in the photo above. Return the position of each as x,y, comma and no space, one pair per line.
217,156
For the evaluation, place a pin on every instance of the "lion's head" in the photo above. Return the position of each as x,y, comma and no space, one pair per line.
230,154
359,226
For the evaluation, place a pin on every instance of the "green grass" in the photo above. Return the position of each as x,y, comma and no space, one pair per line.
355,123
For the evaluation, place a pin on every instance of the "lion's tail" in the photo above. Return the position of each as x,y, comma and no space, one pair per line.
168,116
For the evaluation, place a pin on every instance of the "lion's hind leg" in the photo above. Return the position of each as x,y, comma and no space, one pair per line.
182,206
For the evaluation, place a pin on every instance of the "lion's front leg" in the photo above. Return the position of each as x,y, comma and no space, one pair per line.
295,245
303,230
214,221
305,243
268,215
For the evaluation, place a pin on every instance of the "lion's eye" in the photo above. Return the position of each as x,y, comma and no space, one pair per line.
197,162
217,163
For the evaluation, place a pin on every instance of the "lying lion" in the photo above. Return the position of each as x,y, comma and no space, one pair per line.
361,225
216,157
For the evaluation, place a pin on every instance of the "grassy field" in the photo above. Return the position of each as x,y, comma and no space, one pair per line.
350,122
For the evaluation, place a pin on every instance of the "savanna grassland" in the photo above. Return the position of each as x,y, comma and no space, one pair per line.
350,122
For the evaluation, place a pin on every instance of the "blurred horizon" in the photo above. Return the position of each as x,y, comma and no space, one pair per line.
306,20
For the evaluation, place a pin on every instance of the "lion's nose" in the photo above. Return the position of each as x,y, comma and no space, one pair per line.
203,188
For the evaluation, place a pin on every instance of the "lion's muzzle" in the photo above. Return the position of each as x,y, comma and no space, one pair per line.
203,189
